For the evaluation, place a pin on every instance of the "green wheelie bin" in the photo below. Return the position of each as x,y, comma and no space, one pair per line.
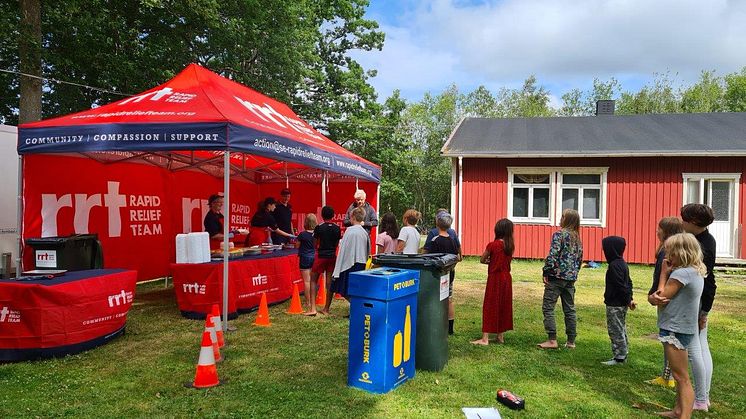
431,348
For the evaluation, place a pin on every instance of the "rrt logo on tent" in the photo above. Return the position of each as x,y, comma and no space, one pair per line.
143,212
259,280
195,288
9,316
123,297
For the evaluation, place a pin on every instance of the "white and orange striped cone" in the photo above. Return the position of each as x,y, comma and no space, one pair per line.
207,373
215,314
210,327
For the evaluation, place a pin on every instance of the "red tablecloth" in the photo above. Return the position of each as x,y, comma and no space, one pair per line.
199,286
71,313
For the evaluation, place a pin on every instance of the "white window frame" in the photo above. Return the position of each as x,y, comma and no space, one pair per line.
555,194
531,171
601,171
701,199
702,177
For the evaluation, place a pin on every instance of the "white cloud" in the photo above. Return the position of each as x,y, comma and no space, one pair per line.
563,42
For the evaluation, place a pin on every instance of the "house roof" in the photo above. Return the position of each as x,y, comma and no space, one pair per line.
712,134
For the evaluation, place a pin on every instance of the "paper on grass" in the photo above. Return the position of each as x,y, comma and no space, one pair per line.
481,413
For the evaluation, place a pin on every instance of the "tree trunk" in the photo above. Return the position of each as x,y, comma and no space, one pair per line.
29,49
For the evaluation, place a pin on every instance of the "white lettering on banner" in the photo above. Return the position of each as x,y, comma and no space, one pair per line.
167,93
127,137
50,206
123,297
83,205
195,288
259,280
293,151
268,114
54,139
188,205
194,137
355,167
104,318
144,218
243,218
145,222
7,315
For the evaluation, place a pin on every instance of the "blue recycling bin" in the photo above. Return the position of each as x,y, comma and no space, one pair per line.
383,318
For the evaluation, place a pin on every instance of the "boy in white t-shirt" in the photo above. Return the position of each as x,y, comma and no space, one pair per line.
409,237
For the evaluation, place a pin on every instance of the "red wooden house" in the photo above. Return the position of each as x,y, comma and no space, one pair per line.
621,172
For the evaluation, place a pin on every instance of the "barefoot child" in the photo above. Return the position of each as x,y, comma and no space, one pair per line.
617,298
306,252
678,317
560,273
497,310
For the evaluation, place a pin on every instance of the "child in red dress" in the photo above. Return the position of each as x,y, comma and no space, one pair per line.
497,310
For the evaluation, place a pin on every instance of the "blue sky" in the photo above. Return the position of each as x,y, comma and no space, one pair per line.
565,43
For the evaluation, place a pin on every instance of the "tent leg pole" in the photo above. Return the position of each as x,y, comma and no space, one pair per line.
324,181
226,222
460,197
19,258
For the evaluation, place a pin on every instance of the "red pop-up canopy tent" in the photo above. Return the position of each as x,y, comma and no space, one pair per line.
196,122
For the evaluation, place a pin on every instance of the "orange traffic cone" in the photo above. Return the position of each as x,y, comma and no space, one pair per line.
262,317
215,314
321,295
295,306
207,373
338,296
210,328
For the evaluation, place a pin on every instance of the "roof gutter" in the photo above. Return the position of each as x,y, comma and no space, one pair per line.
699,153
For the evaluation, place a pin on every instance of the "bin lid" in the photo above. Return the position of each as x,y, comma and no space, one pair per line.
419,261
37,241
383,284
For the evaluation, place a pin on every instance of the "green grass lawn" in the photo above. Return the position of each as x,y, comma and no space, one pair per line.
297,367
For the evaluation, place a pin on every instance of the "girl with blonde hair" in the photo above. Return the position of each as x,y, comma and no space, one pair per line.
678,315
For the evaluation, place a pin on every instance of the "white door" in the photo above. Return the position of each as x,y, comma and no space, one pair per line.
718,193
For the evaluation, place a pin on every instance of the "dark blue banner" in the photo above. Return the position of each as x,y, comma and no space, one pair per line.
122,137
276,147
196,136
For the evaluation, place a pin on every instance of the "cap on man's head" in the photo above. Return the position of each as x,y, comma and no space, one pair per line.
285,192
213,198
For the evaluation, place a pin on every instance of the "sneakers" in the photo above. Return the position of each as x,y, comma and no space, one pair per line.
613,362
700,406
660,381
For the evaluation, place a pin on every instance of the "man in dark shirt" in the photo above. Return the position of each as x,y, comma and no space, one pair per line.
327,235
214,218
283,215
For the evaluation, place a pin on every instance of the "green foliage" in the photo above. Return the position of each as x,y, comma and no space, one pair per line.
704,96
296,52
735,91
579,103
